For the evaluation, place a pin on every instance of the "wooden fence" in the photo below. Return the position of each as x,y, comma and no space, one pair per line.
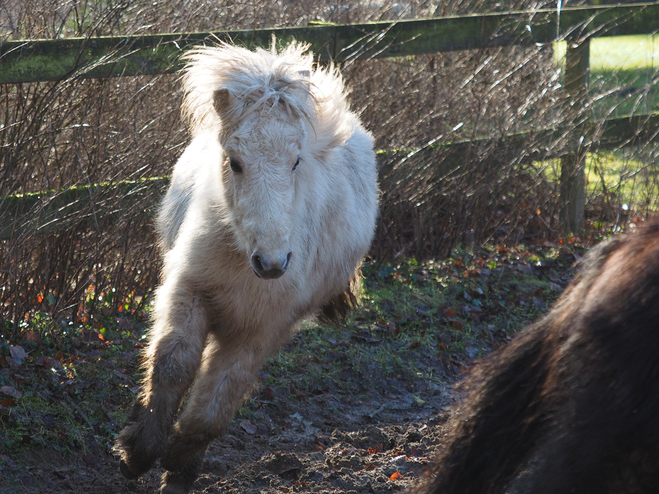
53,60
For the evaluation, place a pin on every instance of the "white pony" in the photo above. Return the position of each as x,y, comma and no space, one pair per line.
269,213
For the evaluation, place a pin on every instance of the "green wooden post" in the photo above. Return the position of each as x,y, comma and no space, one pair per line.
573,165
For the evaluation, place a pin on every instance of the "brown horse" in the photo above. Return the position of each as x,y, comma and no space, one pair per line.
572,403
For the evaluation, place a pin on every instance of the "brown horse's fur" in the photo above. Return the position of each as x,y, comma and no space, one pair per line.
572,404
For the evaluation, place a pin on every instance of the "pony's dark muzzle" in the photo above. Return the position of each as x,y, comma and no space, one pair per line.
269,268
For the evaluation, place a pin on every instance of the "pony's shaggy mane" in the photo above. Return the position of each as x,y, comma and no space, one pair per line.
264,79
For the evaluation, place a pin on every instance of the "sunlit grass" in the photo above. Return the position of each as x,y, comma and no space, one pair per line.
618,52
620,176
623,71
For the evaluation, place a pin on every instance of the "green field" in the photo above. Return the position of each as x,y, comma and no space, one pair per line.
622,72
637,52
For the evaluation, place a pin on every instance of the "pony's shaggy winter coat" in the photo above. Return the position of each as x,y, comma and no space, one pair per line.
572,404
270,210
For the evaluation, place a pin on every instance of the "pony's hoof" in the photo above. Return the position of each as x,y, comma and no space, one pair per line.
175,483
127,472
173,489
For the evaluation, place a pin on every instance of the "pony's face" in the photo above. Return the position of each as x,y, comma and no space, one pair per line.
260,170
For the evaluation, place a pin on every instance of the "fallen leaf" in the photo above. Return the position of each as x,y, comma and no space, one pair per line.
264,376
17,353
126,380
248,427
450,313
32,336
396,476
366,338
297,393
8,461
91,336
457,325
48,362
13,392
9,402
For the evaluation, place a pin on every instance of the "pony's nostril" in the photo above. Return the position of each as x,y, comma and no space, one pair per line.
288,260
257,264
266,268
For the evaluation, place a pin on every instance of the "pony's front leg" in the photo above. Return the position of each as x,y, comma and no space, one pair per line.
226,376
171,362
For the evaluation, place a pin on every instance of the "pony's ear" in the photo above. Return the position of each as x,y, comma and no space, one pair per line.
222,102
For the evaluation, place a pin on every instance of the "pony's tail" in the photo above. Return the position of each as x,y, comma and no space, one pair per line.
499,424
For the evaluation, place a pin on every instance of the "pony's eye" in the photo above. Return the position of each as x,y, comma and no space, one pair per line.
235,165
296,163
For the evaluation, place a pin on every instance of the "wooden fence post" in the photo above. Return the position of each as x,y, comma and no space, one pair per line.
573,165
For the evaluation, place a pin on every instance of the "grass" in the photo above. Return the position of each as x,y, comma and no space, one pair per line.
624,175
623,71
612,53
622,181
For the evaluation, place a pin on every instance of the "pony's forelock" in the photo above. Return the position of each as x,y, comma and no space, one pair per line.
255,79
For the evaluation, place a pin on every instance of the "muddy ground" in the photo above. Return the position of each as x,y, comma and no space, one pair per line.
318,443
380,441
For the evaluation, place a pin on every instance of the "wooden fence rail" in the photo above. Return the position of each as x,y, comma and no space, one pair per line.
52,60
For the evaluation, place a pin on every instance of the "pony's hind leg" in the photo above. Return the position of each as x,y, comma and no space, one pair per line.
180,482
226,376
171,362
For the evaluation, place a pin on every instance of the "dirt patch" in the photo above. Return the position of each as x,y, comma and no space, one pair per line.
327,443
